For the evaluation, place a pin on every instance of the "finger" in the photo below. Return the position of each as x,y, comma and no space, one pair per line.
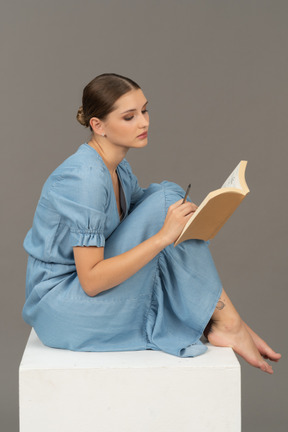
187,208
176,204
194,207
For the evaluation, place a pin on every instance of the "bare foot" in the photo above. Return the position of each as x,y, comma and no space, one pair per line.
226,329
264,349
234,333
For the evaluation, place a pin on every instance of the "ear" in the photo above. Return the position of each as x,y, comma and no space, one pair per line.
97,126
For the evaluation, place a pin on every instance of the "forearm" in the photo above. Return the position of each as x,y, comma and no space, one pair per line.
112,271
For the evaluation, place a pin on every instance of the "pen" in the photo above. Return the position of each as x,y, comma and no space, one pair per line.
186,194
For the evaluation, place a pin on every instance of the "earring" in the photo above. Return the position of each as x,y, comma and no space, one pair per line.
103,135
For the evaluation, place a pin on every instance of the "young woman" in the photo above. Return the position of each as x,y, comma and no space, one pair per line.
103,273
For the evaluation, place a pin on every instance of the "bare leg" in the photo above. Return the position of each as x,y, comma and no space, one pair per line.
226,328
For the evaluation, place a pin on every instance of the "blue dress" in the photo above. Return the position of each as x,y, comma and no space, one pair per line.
164,306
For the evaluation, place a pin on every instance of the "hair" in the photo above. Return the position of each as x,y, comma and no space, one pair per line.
100,95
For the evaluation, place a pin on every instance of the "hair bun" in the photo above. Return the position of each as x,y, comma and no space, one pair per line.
81,117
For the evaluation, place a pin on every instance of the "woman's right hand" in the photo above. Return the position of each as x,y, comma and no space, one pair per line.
177,216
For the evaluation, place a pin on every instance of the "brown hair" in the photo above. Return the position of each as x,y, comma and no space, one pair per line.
100,95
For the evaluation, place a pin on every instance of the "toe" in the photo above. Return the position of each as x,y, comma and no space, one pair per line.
270,354
265,367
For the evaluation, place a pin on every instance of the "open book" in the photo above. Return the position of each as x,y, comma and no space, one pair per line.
217,207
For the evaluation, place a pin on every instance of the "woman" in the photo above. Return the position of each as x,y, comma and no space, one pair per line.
103,274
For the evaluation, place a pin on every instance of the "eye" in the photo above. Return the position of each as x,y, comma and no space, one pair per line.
131,117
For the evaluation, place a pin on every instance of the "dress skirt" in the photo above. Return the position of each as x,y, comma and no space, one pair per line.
164,306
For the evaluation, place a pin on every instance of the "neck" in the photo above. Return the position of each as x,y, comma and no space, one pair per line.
110,154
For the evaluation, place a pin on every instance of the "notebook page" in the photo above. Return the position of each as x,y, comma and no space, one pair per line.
233,179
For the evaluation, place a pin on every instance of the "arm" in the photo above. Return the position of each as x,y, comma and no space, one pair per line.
97,274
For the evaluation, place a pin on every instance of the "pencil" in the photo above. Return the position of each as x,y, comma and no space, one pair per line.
186,194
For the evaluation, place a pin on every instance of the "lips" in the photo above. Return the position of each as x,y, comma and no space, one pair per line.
143,135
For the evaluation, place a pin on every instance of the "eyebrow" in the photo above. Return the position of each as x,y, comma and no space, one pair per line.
134,109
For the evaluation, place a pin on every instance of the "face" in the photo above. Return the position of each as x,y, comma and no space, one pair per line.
127,125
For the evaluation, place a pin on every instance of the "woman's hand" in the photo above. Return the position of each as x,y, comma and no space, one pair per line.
177,216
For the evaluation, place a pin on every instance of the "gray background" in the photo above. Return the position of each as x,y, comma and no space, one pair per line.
215,74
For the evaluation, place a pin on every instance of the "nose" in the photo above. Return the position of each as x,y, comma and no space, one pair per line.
144,120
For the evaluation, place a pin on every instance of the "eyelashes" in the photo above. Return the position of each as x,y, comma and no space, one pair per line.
131,117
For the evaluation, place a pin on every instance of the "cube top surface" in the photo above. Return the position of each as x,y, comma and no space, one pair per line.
38,356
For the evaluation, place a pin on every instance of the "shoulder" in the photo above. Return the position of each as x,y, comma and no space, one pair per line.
81,173
124,165
125,168
85,161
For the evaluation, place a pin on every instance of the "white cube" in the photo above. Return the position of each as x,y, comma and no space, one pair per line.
135,391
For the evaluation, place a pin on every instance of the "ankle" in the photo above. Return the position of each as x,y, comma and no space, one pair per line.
229,324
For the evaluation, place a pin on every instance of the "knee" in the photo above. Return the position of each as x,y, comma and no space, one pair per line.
172,193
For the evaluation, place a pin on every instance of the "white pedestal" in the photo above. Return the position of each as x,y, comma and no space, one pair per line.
140,391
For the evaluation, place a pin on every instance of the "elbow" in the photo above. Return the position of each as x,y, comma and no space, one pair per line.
90,290
92,281
90,271
90,287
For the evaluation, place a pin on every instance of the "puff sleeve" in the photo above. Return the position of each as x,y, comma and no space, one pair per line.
79,197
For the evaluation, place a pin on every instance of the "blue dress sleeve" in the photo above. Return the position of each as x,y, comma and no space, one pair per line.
80,197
